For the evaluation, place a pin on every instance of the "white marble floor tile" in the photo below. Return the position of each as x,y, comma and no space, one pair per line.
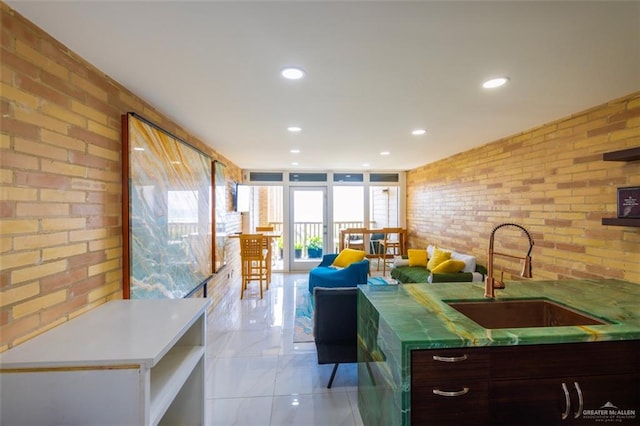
298,360
253,291
301,373
240,377
244,343
254,411
302,380
289,347
327,409
266,312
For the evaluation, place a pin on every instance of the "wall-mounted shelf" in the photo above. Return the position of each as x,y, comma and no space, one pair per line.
620,221
631,154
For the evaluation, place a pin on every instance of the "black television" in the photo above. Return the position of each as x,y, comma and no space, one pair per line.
242,199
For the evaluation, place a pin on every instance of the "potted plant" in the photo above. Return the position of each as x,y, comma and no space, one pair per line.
314,247
297,249
280,247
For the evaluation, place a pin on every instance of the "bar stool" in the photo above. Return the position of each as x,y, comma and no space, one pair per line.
254,258
268,247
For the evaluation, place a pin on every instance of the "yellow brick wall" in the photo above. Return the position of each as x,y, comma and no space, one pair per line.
550,179
60,171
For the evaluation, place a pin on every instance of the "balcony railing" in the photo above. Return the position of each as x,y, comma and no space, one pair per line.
302,231
177,231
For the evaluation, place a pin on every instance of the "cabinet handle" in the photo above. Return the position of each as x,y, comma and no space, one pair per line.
567,401
464,391
580,401
450,358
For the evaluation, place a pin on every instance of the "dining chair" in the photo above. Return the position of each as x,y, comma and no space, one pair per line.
254,259
374,242
354,238
388,247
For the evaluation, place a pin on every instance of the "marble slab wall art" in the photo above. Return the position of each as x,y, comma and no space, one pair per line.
220,201
167,185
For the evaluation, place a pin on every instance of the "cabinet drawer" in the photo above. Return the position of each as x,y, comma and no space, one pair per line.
471,408
449,365
539,361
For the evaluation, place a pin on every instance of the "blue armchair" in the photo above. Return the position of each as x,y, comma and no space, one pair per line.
324,275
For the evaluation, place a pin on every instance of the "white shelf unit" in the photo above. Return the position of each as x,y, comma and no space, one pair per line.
133,362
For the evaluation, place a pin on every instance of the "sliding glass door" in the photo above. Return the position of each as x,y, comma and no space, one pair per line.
307,227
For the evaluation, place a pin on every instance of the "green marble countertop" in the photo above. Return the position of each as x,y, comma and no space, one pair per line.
421,319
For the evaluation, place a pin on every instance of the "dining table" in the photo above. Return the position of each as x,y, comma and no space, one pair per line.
366,233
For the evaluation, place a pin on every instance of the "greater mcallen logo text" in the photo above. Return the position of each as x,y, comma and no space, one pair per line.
609,413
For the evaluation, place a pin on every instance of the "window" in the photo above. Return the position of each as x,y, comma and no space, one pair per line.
384,206
348,210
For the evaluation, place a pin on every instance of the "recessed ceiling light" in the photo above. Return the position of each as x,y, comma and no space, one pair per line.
495,82
294,129
292,73
294,163
295,151
385,153
365,164
418,132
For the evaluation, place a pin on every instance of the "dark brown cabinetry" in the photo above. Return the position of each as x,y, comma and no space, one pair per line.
555,384
579,383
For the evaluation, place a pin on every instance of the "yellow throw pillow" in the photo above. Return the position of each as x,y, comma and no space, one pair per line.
417,257
438,257
448,266
348,256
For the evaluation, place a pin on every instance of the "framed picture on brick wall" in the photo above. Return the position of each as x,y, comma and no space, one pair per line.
167,215
629,202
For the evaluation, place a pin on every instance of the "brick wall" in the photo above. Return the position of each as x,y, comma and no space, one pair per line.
60,171
552,180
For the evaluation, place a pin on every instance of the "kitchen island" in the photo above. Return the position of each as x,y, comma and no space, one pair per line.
415,347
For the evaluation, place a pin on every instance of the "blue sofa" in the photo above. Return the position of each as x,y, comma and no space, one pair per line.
324,275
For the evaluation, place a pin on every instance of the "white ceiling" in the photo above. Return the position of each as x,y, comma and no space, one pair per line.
375,70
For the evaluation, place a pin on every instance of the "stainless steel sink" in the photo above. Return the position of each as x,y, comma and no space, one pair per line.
520,313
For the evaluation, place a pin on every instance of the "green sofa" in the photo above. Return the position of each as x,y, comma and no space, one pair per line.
405,274
419,274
